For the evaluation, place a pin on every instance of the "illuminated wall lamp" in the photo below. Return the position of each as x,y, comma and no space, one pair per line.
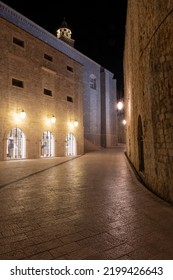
124,122
21,114
76,123
53,119
120,105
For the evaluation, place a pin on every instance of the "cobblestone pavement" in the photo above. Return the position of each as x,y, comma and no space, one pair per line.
91,207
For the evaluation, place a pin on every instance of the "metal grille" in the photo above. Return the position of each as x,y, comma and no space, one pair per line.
47,144
16,144
70,145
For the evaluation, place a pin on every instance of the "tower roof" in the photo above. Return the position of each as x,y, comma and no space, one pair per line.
64,24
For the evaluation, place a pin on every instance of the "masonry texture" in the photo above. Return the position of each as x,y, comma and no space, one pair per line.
29,66
45,76
91,207
148,68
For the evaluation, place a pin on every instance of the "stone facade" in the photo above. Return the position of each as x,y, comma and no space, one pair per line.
148,78
28,65
45,77
121,127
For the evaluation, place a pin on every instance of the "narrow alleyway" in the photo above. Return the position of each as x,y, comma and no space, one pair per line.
91,207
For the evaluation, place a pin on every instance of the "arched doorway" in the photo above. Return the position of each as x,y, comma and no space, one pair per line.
16,144
70,145
47,144
140,145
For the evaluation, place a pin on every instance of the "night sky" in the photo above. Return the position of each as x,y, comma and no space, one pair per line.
98,27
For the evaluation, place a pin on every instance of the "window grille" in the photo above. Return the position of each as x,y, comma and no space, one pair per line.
16,144
47,144
70,145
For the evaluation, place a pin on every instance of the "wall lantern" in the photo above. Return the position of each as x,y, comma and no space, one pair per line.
52,118
73,124
124,122
76,123
21,114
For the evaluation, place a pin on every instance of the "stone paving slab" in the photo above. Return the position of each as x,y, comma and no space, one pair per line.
92,207
14,170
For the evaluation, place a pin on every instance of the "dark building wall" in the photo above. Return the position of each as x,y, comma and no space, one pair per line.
109,129
148,78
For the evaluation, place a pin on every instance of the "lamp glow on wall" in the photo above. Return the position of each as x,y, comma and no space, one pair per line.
20,114
124,122
73,124
52,118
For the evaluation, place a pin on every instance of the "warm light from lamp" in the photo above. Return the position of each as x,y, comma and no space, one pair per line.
53,119
124,122
76,123
120,105
22,114
70,124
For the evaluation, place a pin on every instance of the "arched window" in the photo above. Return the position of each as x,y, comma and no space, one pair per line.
16,144
140,145
92,81
70,145
47,144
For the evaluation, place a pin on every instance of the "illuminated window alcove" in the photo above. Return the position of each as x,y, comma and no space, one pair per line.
70,145
16,144
47,144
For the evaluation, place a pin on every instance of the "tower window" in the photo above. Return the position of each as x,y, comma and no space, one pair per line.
18,42
47,92
17,83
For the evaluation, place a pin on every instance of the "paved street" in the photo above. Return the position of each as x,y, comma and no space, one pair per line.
89,207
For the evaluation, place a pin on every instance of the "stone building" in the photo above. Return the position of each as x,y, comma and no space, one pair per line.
148,78
55,101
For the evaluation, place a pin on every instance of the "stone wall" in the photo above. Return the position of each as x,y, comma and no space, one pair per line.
60,80
27,63
109,131
148,78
